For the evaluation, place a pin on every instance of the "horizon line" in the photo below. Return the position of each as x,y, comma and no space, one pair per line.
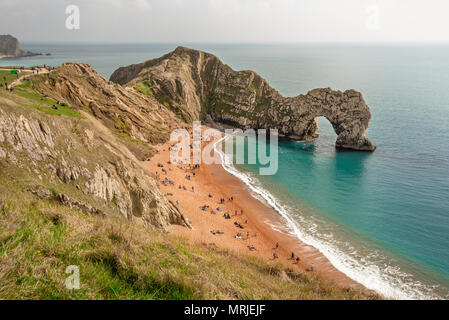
243,43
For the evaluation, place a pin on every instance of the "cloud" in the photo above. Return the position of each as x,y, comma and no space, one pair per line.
117,5
228,20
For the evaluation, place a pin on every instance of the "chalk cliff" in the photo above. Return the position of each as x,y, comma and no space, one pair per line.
197,85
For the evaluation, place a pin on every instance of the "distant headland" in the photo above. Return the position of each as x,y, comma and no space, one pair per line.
9,48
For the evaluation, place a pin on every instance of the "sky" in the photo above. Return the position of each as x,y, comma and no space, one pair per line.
228,21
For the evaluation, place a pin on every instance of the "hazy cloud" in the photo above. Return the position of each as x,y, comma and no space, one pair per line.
229,20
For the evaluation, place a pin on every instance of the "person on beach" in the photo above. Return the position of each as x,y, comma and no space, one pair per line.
311,267
293,256
276,246
297,260
275,256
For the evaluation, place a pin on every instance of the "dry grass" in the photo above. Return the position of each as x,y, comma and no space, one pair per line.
120,260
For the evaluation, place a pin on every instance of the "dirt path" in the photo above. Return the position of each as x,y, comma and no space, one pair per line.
25,74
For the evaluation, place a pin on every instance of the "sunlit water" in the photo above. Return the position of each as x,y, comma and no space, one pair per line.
382,218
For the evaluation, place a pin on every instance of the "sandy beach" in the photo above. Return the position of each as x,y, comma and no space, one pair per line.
198,193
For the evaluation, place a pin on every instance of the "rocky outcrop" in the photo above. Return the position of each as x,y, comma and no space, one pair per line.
45,194
197,85
93,171
9,48
137,117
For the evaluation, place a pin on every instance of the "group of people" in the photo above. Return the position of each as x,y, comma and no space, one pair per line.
296,259
240,236
238,225
167,182
293,257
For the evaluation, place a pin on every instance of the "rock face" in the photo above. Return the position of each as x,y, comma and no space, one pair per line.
90,166
9,48
197,85
126,111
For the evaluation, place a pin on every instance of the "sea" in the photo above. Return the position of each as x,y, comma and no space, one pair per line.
381,218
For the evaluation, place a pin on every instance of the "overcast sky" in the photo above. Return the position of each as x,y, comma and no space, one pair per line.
229,20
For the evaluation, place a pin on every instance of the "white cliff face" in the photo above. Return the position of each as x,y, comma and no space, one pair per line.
84,154
199,86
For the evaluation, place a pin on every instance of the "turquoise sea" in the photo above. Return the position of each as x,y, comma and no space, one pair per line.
382,218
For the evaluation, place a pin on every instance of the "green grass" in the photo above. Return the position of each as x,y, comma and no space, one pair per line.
9,77
144,87
44,104
252,88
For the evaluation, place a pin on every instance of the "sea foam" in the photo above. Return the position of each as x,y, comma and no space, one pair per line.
382,277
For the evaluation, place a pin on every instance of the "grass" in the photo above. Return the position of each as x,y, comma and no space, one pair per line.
252,88
43,104
144,87
120,260
9,77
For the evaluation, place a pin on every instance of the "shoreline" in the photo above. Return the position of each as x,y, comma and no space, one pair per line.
258,218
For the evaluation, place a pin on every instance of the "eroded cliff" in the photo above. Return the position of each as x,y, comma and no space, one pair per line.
197,85
138,118
83,159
